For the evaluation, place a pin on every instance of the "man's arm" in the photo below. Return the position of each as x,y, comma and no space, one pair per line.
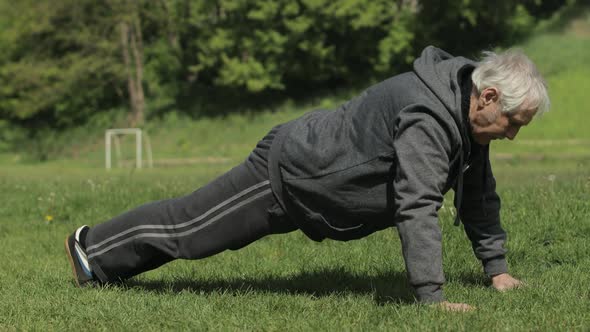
480,213
422,150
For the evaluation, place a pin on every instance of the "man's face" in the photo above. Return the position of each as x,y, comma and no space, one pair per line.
488,122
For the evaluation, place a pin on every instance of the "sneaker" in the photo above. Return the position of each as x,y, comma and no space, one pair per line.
76,252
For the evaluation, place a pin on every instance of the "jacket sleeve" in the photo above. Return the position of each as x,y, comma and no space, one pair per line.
422,151
480,213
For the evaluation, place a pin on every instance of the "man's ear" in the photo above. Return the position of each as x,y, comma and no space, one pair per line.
489,95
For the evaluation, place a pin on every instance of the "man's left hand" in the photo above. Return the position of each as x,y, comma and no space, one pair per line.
505,281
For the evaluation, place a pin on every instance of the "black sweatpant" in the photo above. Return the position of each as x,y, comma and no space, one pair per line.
230,212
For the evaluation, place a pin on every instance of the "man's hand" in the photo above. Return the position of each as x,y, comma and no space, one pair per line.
504,282
457,307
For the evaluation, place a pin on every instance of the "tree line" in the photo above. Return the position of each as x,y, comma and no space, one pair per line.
65,61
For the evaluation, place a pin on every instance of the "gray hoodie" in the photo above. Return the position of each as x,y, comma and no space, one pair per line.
386,158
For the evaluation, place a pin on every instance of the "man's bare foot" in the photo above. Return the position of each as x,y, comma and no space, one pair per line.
505,281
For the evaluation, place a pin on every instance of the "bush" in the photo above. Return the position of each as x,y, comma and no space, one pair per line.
63,60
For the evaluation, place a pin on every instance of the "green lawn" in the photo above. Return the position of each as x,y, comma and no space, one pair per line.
288,282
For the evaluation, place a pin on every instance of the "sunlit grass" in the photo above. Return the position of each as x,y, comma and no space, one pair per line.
287,282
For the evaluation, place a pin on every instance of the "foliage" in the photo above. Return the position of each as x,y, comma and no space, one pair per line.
62,61
59,65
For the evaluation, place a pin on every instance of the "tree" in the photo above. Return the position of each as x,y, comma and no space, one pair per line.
132,51
60,62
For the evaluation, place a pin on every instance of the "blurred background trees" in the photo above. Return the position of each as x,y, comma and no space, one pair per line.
64,62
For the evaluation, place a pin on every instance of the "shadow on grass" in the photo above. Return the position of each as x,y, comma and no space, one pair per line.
468,278
386,288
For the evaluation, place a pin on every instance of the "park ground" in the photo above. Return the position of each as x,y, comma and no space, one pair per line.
288,282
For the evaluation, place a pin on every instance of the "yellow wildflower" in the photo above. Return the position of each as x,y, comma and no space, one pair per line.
48,218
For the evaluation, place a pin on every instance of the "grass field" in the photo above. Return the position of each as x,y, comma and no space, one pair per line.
288,282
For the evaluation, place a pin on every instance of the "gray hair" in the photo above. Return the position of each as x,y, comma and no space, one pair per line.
516,77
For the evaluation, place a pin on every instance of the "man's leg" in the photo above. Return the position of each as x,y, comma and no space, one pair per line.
229,213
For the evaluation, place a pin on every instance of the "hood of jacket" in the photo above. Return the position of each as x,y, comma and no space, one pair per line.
441,73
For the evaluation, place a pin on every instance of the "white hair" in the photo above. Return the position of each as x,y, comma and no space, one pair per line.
516,77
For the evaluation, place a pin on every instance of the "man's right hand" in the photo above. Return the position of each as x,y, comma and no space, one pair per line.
456,307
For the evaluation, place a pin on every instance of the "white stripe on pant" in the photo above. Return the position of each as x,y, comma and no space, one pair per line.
230,212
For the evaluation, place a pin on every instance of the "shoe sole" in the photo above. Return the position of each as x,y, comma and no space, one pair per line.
72,264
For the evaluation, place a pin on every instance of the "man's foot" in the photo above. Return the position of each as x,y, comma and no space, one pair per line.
76,251
505,281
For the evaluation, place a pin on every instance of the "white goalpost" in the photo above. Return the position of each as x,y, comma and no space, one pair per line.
140,137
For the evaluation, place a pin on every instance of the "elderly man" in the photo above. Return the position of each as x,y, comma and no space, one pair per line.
383,159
